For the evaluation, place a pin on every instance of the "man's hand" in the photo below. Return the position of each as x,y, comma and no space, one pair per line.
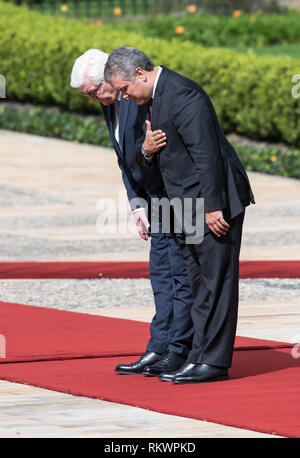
141,220
154,140
216,223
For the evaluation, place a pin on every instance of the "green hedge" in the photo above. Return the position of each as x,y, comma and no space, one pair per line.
67,126
270,160
211,30
252,95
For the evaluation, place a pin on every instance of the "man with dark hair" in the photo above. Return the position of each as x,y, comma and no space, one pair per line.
197,162
171,327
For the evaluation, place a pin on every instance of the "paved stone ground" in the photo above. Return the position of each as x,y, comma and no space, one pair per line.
49,191
123,293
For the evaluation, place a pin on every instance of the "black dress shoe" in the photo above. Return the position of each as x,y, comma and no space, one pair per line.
137,367
170,376
202,373
169,361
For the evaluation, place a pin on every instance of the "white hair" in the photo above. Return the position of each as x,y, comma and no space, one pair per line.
89,65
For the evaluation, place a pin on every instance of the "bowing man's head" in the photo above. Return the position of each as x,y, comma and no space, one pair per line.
132,73
88,76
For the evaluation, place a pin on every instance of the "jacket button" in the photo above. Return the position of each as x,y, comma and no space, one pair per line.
132,169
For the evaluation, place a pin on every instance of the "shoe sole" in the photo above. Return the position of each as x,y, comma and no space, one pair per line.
127,373
215,379
157,375
165,379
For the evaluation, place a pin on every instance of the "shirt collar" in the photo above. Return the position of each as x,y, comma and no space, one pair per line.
156,81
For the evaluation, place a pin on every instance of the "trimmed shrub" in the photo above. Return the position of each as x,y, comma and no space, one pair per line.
67,126
251,94
270,160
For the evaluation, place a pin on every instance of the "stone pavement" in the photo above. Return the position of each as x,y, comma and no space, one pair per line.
48,211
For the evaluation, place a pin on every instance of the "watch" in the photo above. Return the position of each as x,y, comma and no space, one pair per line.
145,153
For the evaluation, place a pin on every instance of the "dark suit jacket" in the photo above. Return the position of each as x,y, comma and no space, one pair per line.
139,181
198,160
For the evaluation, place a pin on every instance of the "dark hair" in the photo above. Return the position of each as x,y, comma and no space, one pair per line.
125,61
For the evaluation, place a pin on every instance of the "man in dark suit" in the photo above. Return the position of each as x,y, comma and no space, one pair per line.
171,327
197,162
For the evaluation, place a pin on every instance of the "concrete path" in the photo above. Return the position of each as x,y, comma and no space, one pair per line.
50,200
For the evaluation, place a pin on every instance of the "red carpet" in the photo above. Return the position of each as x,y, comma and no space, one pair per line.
76,270
262,395
39,333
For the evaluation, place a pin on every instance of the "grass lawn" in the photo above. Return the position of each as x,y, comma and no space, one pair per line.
291,50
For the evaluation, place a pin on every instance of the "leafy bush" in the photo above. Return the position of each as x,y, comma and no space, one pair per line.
270,160
67,126
252,95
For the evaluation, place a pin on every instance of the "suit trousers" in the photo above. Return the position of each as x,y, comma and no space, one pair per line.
171,327
213,270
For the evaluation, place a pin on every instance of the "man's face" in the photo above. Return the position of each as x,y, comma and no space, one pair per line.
104,92
139,91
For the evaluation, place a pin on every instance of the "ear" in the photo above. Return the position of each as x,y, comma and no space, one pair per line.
141,74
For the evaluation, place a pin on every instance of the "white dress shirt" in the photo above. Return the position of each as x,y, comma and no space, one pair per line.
117,119
156,81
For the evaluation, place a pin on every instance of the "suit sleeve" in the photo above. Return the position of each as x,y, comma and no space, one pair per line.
136,194
193,119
